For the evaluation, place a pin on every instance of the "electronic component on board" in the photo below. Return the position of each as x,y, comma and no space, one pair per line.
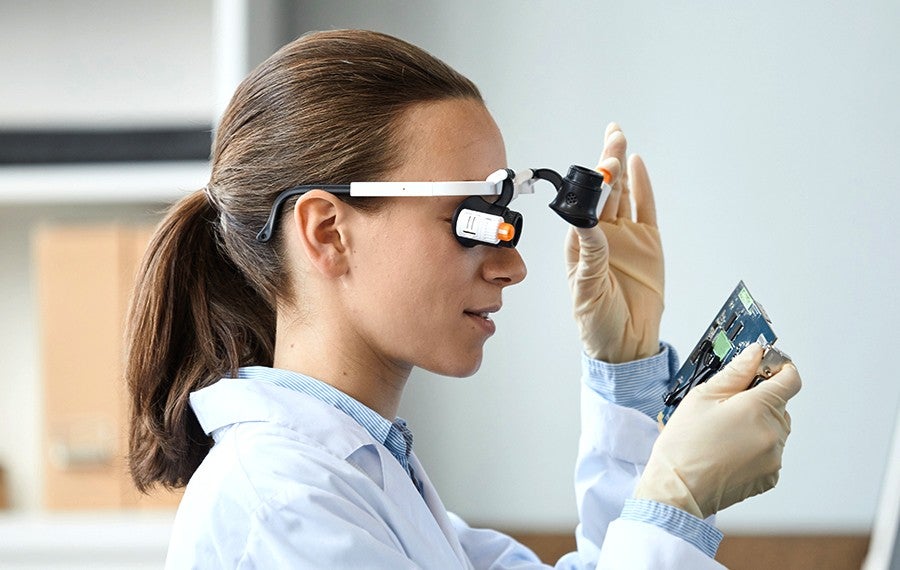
740,322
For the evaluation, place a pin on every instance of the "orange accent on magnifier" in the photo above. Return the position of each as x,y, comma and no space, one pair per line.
607,177
506,232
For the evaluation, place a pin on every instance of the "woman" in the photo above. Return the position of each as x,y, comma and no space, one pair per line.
266,375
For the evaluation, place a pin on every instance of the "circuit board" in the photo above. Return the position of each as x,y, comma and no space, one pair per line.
740,322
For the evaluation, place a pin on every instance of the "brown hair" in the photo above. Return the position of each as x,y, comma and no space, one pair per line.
323,109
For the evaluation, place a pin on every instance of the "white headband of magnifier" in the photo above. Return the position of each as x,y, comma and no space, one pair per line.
477,221
523,183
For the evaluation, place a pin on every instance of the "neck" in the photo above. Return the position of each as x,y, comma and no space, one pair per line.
328,352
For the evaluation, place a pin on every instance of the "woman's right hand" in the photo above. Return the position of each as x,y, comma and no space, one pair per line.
724,443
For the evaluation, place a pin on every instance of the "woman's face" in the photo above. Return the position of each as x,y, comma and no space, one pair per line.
417,297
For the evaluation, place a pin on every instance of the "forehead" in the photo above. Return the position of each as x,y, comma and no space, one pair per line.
453,139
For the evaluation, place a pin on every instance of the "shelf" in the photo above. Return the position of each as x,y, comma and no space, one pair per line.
101,183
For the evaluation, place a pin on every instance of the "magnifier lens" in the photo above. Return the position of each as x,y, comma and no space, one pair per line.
579,197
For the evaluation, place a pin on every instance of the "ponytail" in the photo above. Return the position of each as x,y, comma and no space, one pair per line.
193,318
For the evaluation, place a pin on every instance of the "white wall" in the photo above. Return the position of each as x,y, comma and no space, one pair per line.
771,130
103,62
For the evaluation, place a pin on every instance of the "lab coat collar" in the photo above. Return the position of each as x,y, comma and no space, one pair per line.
232,401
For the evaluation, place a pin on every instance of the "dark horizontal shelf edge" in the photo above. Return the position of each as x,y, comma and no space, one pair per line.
89,145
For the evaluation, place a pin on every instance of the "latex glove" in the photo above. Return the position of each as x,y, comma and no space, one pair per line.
615,269
724,443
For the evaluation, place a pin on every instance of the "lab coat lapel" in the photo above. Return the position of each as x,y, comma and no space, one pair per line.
436,544
438,512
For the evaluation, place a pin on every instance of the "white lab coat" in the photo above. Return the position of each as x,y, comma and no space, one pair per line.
293,482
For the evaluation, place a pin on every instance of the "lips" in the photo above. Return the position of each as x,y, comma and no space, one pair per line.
482,316
484,312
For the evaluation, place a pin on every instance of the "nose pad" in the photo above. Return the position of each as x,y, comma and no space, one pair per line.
503,266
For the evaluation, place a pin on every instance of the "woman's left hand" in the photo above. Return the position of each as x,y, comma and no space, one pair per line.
615,269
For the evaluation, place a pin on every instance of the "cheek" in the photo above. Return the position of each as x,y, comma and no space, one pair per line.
412,287
426,294
427,259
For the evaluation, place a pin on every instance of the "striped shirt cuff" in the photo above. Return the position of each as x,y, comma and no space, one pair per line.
640,385
676,522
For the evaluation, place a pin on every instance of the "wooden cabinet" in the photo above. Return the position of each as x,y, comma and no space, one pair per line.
85,276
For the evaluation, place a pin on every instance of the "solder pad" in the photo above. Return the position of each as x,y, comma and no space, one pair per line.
740,322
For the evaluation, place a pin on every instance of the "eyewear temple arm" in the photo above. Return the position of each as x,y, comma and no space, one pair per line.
265,234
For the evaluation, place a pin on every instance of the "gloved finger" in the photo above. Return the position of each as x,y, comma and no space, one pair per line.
616,148
612,165
587,254
625,198
783,385
573,251
610,129
617,145
644,203
738,374
614,145
572,246
593,252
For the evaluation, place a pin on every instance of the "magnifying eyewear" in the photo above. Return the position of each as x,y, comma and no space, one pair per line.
477,221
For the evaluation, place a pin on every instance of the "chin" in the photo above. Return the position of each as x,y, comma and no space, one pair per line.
458,367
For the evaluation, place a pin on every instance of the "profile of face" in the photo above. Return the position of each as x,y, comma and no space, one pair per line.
415,296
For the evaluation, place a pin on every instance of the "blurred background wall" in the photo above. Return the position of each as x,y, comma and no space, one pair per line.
771,133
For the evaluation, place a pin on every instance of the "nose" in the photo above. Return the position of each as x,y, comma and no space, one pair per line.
503,266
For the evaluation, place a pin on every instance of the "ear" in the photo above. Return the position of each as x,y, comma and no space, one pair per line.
319,221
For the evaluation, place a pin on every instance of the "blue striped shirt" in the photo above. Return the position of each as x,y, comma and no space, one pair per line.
641,385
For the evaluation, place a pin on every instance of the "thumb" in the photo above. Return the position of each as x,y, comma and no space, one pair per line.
783,385
738,374
592,243
573,249
588,252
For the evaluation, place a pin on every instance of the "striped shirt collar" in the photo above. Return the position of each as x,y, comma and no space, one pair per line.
395,436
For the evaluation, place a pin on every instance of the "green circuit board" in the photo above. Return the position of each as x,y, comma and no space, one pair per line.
740,322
